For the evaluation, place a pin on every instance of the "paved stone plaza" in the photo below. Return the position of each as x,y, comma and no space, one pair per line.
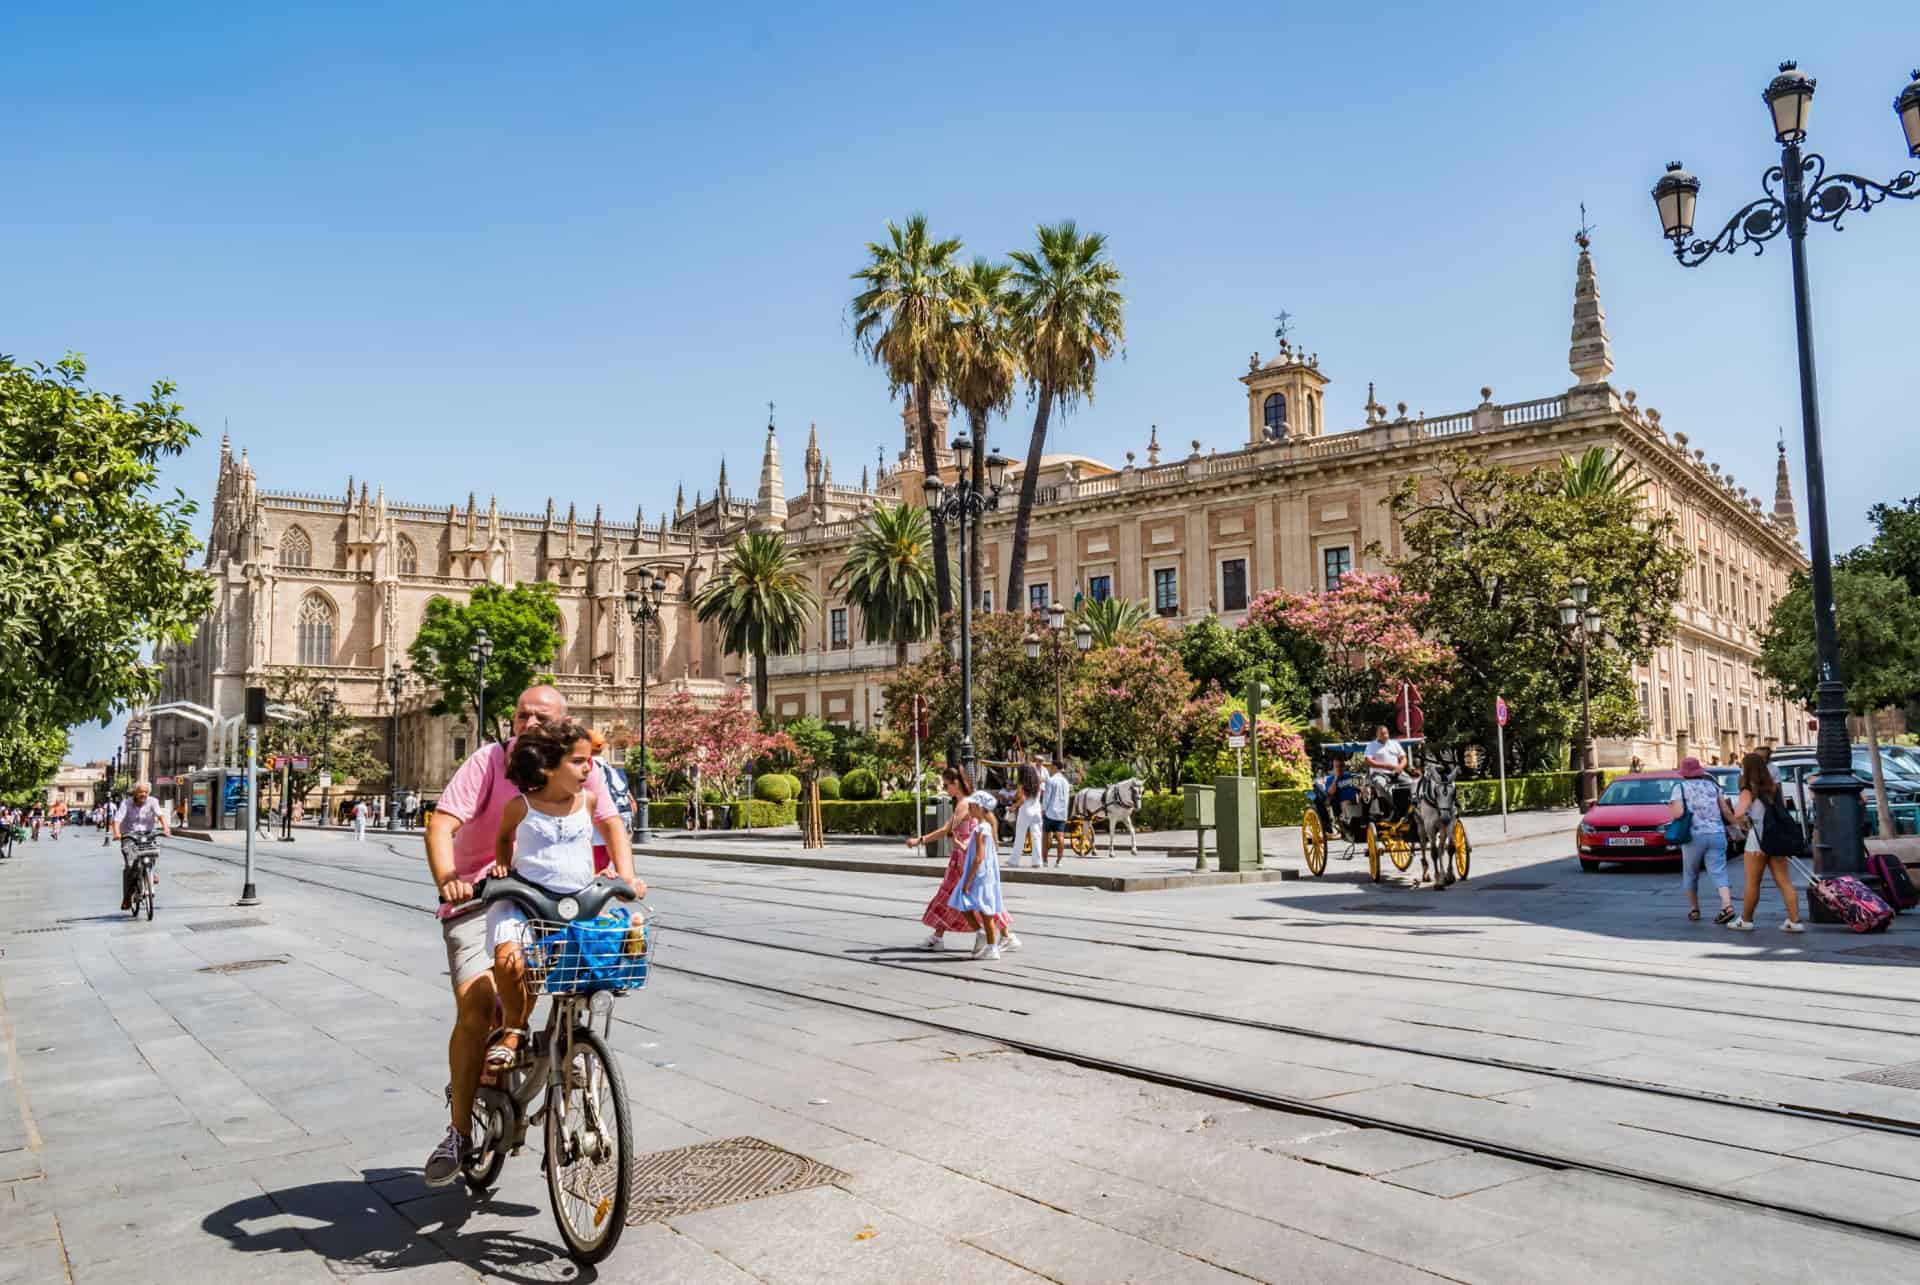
1536,1075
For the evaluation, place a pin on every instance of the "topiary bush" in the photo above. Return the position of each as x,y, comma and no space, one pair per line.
859,786
776,787
829,788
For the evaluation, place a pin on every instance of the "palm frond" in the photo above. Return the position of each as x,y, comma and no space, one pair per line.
889,575
1112,620
1594,472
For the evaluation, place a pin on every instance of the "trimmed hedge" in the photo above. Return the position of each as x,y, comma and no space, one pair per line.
859,786
776,787
867,817
829,788
671,814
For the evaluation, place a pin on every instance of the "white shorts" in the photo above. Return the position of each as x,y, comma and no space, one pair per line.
506,922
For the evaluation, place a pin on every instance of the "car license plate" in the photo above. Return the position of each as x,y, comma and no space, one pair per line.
1631,841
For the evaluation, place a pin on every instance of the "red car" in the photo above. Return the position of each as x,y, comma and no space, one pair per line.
1629,821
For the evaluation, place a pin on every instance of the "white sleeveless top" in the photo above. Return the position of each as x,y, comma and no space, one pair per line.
555,852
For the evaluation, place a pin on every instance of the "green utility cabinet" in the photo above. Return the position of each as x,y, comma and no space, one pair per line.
1236,809
1197,809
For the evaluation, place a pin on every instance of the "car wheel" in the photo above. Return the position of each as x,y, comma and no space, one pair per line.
1589,865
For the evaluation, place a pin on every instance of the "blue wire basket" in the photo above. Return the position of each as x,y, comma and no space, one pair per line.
611,953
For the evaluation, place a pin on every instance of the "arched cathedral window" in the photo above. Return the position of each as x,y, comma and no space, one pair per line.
407,555
316,628
649,663
296,549
1276,413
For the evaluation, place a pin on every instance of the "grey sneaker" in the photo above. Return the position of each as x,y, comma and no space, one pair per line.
1740,925
443,1166
1793,926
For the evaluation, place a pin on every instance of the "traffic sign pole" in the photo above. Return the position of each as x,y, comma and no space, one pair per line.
1500,737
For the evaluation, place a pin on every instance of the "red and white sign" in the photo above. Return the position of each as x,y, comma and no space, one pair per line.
1500,709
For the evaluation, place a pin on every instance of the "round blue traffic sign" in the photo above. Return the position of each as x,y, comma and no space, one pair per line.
1236,724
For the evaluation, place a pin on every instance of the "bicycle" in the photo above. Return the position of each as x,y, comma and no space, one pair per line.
581,959
140,851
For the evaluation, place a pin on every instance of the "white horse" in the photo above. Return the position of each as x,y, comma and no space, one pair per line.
1118,802
1437,805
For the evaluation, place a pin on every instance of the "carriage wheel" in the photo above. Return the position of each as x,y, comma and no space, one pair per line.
1399,849
1373,851
1080,836
1462,850
1313,843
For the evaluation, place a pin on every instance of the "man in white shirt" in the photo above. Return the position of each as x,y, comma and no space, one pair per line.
139,813
1053,810
1386,758
360,820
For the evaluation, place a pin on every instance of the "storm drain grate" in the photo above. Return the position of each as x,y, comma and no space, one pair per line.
1908,953
1904,1076
222,925
28,932
709,1175
239,966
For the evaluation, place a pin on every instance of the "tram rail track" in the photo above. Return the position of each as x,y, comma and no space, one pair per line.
1316,1108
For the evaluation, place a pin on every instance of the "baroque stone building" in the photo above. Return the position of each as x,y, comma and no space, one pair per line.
339,583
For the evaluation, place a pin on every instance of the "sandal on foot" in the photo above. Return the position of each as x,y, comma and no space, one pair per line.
1725,916
503,1051
1694,914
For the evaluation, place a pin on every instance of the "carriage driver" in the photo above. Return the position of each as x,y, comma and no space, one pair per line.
1387,759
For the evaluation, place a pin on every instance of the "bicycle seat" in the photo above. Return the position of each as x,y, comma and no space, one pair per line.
544,903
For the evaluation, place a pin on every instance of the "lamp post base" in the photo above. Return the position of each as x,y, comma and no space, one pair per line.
642,823
248,897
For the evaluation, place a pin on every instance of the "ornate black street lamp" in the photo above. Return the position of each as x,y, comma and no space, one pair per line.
1060,660
396,685
961,507
1799,191
480,651
643,608
1586,626
326,756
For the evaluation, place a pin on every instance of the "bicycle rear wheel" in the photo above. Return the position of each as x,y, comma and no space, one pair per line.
146,891
589,1150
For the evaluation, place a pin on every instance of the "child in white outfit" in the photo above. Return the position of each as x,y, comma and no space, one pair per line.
546,838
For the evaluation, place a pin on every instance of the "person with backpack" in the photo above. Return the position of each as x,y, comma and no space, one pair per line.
1697,799
1772,838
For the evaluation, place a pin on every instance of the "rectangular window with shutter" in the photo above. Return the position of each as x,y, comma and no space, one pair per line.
1166,591
1233,584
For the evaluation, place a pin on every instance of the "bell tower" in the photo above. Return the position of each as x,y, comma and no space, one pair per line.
1283,396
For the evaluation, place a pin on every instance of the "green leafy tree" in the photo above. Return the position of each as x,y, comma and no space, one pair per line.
903,322
92,566
1218,655
1596,472
760,602
1068,316
1492,552
1112,620
889,577
29,756
813,744
983,370
1012,696
1895,548
1131,701
330,737
522,623
1878,621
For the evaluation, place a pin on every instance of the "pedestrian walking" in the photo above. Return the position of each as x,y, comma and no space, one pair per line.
1055,790
359,820
1759,791
939,915
1697,796
1028,827
977,893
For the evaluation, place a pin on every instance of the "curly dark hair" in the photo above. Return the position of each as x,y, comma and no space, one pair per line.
540,749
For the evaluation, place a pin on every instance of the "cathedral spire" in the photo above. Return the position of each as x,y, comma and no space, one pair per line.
770,507
679,501
1783,492
1591,355
813,454
721,491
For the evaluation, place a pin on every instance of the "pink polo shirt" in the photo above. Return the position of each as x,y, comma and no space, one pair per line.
477,796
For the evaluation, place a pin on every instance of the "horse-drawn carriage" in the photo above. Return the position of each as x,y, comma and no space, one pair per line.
1390,814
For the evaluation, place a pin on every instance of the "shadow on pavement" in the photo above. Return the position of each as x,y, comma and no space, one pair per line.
357,1231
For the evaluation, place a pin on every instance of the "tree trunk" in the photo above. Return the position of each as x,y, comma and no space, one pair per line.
761,681
1029,491
1887,827
900,653
976,560
929,457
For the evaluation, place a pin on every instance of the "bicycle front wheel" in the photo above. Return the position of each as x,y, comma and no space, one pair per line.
589,1150
146,890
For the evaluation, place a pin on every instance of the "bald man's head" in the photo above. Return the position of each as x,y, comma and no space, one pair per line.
540,704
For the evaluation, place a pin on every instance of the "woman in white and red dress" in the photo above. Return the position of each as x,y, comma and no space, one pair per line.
938,915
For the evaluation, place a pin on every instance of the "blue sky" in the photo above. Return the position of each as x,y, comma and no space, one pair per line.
528,251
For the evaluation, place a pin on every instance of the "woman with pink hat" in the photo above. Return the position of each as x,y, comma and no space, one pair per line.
1697,796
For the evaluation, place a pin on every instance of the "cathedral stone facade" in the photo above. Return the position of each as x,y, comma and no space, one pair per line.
339,583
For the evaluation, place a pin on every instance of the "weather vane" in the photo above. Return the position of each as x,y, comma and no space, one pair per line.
1584,237
769,411
1286,323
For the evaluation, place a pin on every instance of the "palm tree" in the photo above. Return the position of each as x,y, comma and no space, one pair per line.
1112,620
1067,318
903,322
761,603
1594,472
889,577
982,373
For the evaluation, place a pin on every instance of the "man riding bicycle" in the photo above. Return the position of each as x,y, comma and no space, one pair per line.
460,852
139,813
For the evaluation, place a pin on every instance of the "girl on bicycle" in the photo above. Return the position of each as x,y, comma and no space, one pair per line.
546,838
